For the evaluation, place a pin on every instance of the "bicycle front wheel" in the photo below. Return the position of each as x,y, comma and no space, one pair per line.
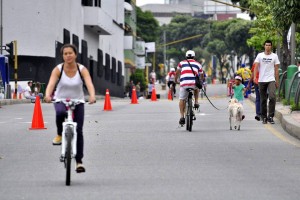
68,158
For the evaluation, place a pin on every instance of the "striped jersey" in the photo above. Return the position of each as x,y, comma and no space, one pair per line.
187,77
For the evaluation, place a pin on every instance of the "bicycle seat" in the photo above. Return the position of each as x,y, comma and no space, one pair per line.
189,89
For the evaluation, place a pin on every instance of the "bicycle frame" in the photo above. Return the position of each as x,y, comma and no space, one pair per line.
69,123
70,105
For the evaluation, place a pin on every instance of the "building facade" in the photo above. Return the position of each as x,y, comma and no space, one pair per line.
41,27
205,9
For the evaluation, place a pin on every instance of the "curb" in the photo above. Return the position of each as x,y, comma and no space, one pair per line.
13,101
283,114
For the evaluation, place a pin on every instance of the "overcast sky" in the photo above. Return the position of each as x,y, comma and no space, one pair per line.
143,2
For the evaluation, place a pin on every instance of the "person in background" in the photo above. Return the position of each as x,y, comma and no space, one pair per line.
138,89
70,85
239,91
245,73
267,64
171,80
131,85
257,95
153,77
31,95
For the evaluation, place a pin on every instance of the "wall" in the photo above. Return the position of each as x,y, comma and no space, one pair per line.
38,25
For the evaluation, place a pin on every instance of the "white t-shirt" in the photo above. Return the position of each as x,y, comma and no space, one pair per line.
27,92
267,66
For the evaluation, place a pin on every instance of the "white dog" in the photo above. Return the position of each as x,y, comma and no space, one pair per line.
236,111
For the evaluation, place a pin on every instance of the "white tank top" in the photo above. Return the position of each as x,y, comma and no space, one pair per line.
69,87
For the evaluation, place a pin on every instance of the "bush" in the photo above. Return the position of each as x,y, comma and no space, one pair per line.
139,76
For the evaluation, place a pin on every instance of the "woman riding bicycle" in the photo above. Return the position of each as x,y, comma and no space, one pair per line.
187,80
70,85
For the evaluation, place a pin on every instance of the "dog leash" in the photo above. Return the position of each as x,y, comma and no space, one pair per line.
212,103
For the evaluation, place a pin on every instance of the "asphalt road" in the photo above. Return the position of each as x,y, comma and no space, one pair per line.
137,151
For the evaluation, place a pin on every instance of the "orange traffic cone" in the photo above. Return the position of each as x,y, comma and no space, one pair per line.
134,97
153,95
37,119
14,95
107,104
170,95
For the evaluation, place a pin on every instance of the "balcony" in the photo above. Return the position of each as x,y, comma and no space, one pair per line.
97,20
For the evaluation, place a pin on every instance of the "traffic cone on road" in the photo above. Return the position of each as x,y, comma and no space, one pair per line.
37,119
153,95
170,95
134,97
107,104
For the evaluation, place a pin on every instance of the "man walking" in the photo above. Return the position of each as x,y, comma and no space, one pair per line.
267,64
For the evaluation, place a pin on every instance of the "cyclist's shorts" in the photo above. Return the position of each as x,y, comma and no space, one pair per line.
183,94
170,83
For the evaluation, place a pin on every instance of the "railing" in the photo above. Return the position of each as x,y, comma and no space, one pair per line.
297,94
295,76
282,83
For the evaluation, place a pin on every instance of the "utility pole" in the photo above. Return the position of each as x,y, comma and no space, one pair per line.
293,44
165,52
1,26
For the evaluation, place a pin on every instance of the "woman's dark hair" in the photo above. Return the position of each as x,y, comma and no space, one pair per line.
68,46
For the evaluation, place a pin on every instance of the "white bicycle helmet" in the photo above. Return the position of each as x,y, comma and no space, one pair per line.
172,69
190,54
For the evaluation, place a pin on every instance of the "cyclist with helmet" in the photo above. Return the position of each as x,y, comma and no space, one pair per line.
171,79
187,80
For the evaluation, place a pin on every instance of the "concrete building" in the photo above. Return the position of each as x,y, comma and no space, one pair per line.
41,27
205,9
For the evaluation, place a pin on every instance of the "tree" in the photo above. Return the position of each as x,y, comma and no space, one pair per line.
236,36
147,26
227,36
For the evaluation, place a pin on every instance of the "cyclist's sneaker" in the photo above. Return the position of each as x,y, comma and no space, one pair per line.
257,117
265,121
243,117
80,168
57,140
182,121
196,105
270,119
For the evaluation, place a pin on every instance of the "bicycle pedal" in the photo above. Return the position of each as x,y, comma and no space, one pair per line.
61,159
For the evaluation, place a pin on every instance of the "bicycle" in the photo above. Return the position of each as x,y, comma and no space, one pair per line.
172,89
69,136
190,116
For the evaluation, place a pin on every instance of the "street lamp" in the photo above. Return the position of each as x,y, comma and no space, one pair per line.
233,67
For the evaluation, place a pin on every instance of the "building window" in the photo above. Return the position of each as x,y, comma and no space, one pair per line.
95,3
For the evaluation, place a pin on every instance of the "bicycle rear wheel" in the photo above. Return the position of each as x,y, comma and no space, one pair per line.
189,115
68,157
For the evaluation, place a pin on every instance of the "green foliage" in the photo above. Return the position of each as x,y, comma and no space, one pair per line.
147,26
285,102
138,76
294,106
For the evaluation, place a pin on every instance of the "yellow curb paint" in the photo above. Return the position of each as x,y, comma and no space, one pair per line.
275,132
280,136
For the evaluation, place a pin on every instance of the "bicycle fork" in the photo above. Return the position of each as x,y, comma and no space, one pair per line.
64,143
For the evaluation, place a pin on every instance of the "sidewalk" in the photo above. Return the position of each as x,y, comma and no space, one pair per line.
290,121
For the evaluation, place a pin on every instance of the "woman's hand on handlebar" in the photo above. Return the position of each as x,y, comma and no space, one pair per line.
92,99
48,99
